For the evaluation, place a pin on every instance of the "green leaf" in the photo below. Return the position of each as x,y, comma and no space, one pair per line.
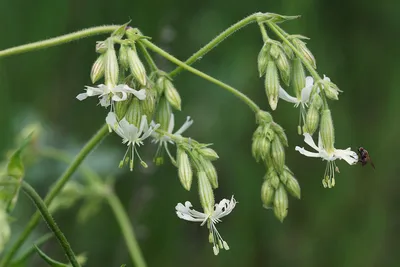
50,261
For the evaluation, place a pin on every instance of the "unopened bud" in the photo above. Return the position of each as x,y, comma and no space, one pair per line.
288,50
278,155
267,194
123,57
263,117
133,34
312,120
327,131
101,47
299,77
275,51
172,94
111,69
292,185
160,85
134,114
301,46
260,148
208,168
97,71
272,84
163,113
136,66
121,107
184,169
316,102
149,103
280,132
331,90
206,193
273,177
209,153
284,67
281,203
263,58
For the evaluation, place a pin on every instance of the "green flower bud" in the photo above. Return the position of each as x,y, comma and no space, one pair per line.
149,103
281,203
284,67
206,193
97,71
316,102
163,113
283,178
292,185
331,90
209,153
288,50
184,169
5,231
208,168
260,148
134,114
301,46
272,84
136,66
121,107
101,47
312,120
278,155
275,51
327,131
280,132
133,34
172,94
111,69
267,194
160,85
299,77
263,58
273,177
263,117
123,57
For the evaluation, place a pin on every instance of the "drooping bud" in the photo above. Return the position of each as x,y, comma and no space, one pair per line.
121,107
288,50
133,34
260,147
275,51
136,66
206,193
280,132
97,71
101,47
299,77
301,46
134,114
267,194
149,103
281,203
327,131
273,177
263,117
209,153
111,69
331,90
284,67
272,84
292,185
123,57
316,102
208,168
172,94
184,169
263,58
163,113
278,155
312,120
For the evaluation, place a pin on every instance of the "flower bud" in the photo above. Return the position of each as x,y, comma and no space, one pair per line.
316,102
163,113
301,46
272,84
275,51
206,193
312,120
121,107
209,153
283,65
97,71
263,117
292,185
263,58
149,103
331,90
208,168
184,169
288,50
267,194
133,34
111,69
172,94
160,85
101,47
299,77
136,66
281,203
134,114
278,155
327,131
260,148
123,57
280,132
5,231
273,177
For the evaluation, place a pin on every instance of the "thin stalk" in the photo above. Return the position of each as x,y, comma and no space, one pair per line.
207,77
214,42
263,31
56,188
58,40
149,59
127,230
22,259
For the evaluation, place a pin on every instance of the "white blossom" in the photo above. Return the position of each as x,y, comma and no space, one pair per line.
223,208
108,94
346,154
131,135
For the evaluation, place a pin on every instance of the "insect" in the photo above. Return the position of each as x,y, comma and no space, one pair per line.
364,157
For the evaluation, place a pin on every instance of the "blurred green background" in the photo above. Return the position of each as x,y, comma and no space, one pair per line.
355,44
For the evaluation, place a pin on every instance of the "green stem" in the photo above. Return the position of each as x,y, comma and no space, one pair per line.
207,77
127,230
22,259
214,42
147,56
263,31
58,40
90,145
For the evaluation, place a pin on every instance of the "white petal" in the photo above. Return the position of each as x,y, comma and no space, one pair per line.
171,123
129,131
307,153
105,101
305,94
117,97
224,207
326,78
309,140
141,94
309,81
285,96
185,126
82,96
349,156
185,213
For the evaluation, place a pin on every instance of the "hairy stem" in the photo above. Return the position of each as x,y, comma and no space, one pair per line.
56,188
149,59
214,42
207,77
58,40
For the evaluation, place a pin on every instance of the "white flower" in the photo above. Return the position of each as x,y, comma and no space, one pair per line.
107,94
131,135
223,208
346,154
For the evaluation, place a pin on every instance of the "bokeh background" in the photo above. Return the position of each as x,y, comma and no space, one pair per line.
355,44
